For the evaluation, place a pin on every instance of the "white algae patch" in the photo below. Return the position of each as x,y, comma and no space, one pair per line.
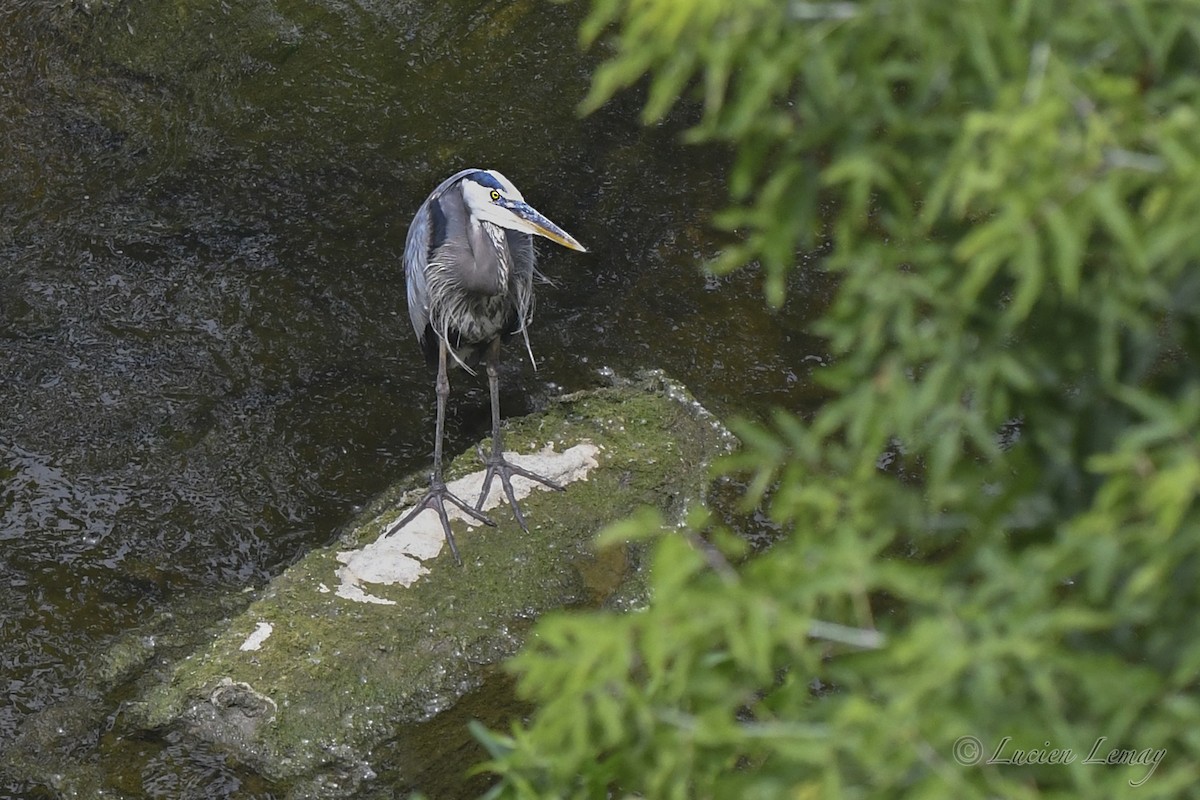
397,558
255,640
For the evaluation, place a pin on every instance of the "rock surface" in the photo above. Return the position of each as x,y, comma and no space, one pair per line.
359,639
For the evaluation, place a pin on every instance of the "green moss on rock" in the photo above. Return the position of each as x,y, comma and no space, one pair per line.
336,677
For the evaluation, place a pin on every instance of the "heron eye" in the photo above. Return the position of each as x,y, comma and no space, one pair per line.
495,195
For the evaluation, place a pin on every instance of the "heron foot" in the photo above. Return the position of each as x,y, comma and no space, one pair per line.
498,465
436,498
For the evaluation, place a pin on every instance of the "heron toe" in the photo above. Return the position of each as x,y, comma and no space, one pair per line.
497,464
436,498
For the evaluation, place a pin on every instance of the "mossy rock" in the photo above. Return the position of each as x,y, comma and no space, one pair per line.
305,682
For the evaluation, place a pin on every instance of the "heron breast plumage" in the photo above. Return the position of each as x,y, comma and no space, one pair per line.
479,285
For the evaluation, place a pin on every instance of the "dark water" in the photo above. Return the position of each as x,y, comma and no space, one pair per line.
206,360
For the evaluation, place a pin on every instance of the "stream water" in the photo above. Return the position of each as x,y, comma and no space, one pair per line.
206,360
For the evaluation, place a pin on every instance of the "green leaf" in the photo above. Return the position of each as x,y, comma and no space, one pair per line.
1113,212
645,524
1068,240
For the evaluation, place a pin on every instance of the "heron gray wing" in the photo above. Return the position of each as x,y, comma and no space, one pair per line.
416,255
417,246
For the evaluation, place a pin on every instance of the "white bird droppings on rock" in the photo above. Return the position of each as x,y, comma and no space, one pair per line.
255,640
398,558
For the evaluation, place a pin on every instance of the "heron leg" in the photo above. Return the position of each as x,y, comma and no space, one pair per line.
497,464
438,493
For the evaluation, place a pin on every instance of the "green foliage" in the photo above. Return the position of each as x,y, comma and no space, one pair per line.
1011,191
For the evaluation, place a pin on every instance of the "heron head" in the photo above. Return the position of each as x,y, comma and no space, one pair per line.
491,197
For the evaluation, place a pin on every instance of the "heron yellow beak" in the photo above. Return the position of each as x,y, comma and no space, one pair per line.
534,221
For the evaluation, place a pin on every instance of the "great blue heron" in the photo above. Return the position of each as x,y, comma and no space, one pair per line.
469,265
